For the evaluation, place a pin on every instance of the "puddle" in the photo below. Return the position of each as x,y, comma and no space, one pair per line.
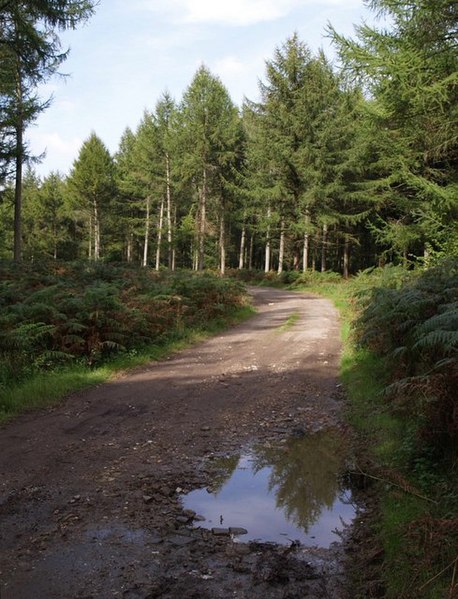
292,492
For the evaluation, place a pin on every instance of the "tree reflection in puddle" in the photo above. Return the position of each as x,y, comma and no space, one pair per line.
285,493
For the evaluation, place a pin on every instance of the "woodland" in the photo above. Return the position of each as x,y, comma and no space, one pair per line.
339,176
332,168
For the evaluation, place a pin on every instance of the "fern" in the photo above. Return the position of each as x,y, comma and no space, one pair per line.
416,328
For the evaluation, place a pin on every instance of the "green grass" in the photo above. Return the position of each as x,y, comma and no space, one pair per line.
45,389
289,323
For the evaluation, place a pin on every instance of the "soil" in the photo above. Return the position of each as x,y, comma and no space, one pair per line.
90,490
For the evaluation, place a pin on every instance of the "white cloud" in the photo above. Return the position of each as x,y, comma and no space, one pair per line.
239,76
60,151
236,12
230,66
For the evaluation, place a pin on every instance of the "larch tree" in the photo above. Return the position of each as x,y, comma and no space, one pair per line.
209,133
91,182
410,69
44,215
166,124
129,194
31,53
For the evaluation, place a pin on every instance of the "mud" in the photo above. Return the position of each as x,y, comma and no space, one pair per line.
91,491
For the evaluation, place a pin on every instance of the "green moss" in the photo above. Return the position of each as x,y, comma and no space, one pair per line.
290,322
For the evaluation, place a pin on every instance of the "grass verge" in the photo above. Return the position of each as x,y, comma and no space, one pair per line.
45,389
412,522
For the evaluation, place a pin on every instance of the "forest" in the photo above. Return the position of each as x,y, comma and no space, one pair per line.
336,169
342,177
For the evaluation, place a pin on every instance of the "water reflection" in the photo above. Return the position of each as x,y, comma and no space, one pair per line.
291,492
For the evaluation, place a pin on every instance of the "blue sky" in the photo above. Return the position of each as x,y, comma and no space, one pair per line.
131,51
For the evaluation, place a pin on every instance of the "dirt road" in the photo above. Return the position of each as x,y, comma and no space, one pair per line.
90,491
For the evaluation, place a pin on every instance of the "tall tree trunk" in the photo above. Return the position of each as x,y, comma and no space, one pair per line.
169,213
173,249
130,243
55,242
346,258
90,238
281,252
147,229
202,219
96,231
222,241
324,241
18,167
195,259
250,253
305,251
242,248
267,259
159,235
315,244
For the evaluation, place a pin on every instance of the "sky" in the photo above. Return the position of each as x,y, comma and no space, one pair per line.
131,51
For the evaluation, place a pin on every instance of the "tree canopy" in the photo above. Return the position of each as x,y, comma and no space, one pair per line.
332,168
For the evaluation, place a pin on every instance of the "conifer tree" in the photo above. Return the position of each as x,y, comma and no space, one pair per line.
44,215
91,182
30,54
129,194
209,133
410,67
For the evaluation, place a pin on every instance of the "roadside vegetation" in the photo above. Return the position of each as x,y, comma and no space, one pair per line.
64,326
400,372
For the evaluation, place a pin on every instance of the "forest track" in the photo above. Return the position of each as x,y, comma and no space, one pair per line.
89,497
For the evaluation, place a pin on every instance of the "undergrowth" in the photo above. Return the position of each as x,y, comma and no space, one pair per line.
64,326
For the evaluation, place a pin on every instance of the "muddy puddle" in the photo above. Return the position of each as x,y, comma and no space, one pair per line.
294,491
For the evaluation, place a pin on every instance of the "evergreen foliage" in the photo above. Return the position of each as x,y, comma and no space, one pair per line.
30,52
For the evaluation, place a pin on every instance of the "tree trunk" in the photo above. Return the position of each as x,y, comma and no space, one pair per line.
173,249
169,213
346,258
305,251
267,259
90,238
130,243
18,166
195,259
55,242
202,218
222,242
242,248
281,252
250,253
159,235
147,228
324,241
96,231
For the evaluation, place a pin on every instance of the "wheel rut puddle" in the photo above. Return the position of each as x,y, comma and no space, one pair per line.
293,492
